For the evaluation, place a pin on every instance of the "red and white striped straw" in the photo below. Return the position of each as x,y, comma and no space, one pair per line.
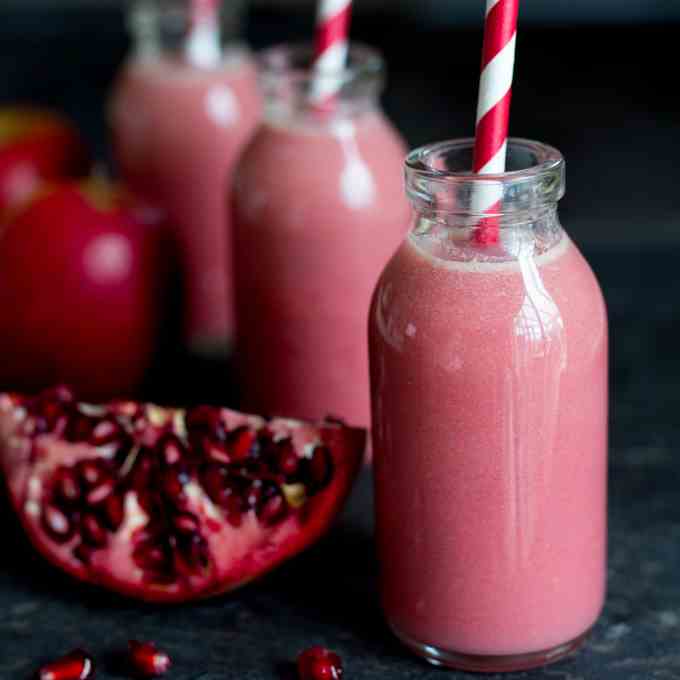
330,48
203,44
493,108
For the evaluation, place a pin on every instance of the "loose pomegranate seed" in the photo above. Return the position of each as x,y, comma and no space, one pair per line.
76,665
146,660
319,663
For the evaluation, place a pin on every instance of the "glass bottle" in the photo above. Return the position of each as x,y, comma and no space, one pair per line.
318,210
489,397
184,105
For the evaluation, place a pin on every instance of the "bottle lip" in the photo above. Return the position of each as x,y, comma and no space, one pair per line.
440,176
546,160
295,61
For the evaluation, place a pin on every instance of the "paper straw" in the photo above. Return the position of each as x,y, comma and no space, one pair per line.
330,49
493,109
203,46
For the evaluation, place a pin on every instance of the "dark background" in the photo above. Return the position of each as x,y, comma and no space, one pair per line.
599,80
596,79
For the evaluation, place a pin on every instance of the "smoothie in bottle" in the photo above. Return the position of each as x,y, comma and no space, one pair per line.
184,106
318,211
489,395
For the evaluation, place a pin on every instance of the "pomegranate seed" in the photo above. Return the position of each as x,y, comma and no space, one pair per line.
171,448
79,428
240,442
76,665
83,553
273,510
186,523
289,461
101,492
150,557
319,663
214,480
105,432
204,418
91,472
93,532
320,468
66,485
113,512
194,552
56,523
253,495
147,660
174,481
216,450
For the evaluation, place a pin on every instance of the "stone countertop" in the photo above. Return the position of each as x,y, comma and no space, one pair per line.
328,595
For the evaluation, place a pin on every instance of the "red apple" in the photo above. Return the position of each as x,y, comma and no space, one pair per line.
35,146
81,273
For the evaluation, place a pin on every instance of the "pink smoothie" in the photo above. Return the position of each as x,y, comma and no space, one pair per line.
178,130
319,210
490,416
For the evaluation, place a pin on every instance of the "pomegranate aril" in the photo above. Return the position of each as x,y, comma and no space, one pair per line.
185,522
91,472
77,665
93,532
66,485
83,553
193,552
142,471
239,442
79,428
146,660
112,512
101,492
204,419
105,432
288,460
170,448
214,449
319,469
56,524
214,479
273,510
319,663
253,495
154,560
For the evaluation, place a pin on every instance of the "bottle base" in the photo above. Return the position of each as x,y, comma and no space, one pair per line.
490,664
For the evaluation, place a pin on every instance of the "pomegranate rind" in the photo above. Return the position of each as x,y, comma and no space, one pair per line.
239,554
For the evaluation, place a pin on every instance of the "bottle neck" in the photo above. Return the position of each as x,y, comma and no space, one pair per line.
289,80
453,206
197,32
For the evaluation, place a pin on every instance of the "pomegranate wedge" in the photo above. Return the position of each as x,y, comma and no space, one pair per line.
169,505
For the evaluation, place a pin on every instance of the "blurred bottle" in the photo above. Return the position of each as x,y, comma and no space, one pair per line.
183,107
318,210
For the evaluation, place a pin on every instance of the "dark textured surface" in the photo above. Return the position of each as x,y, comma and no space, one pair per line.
328,596
612,113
